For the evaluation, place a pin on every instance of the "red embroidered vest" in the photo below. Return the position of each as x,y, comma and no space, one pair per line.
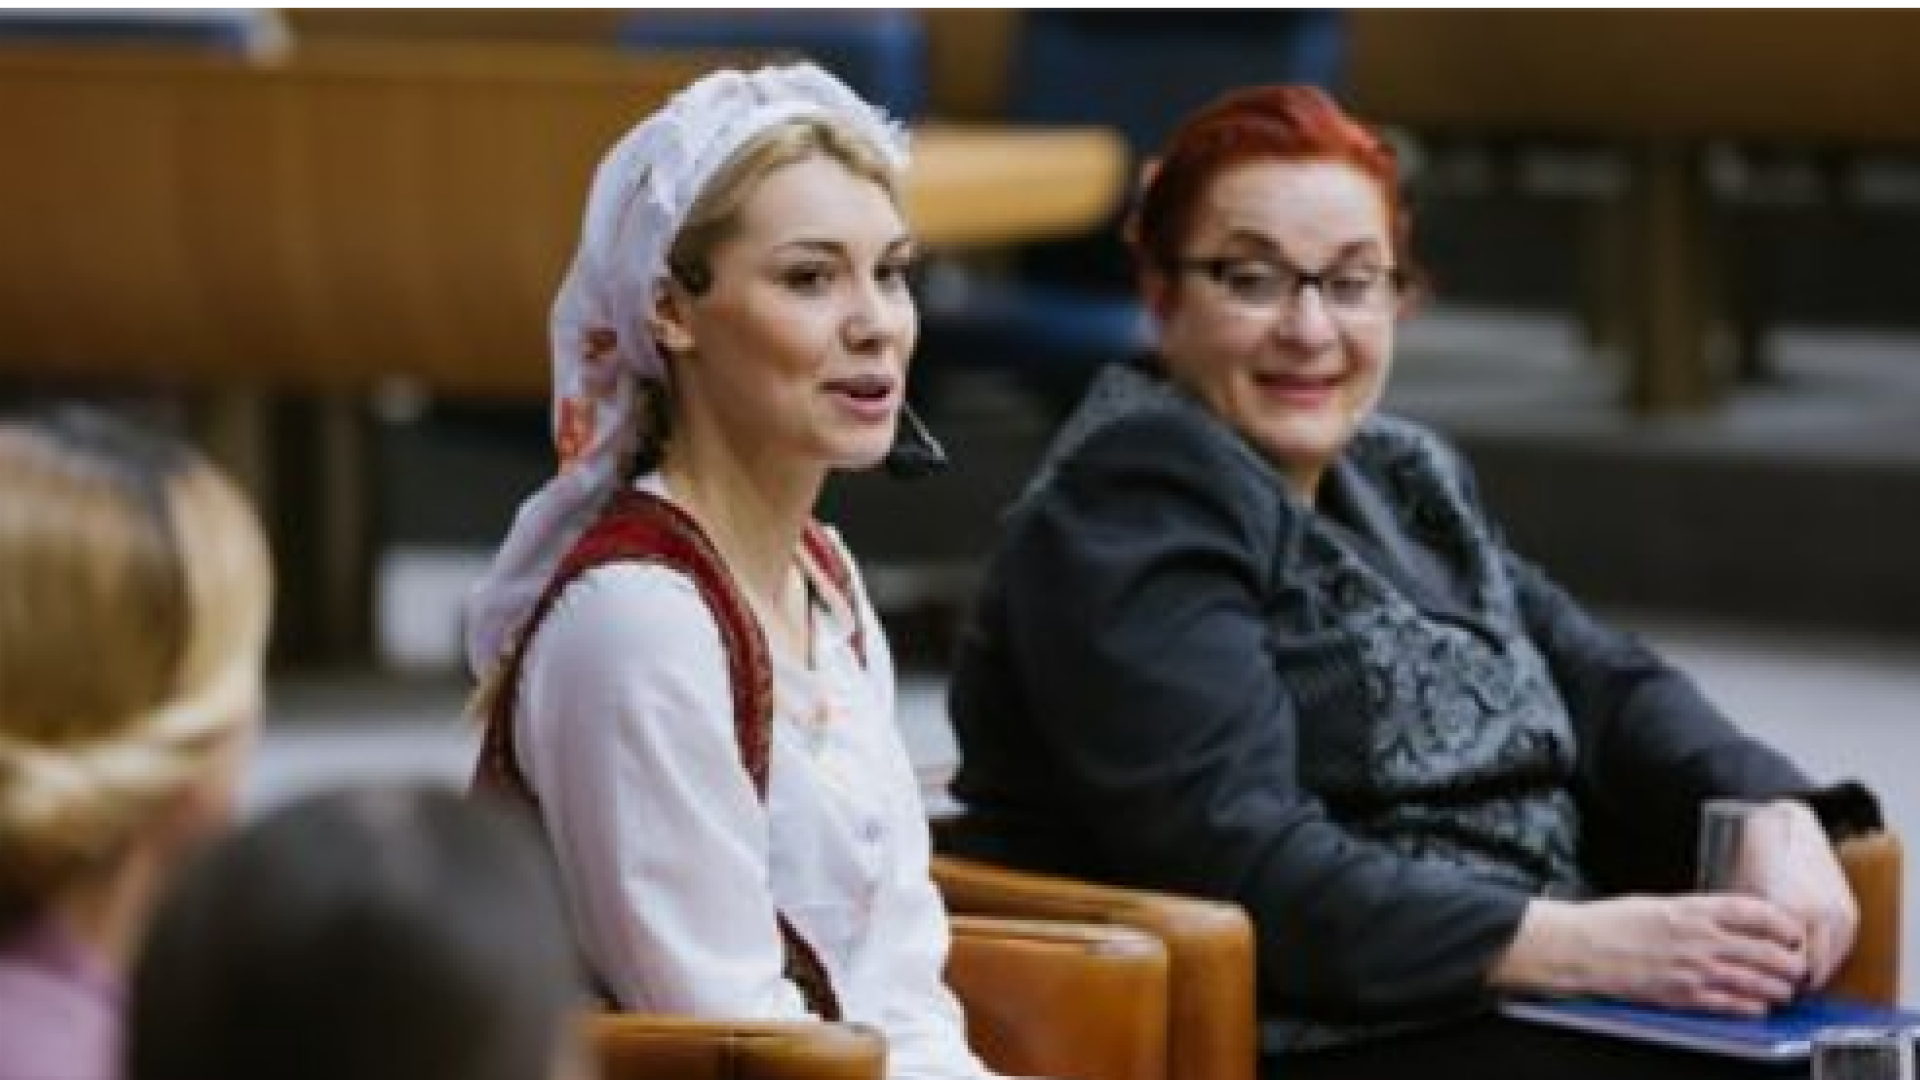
641,527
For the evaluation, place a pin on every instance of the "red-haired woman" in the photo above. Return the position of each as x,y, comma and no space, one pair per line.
1246,637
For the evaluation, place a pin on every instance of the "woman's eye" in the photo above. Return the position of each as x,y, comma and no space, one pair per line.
807,279
894,274
1250,280
1353,287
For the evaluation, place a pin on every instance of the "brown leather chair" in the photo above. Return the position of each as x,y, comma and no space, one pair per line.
1043,999
631,1047
1211,1027
1209,1010
1096,982
1062,999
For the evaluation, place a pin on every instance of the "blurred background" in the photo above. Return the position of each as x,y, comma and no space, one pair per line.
1673,317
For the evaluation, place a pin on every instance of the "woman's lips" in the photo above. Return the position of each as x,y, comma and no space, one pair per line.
869,398
1298,390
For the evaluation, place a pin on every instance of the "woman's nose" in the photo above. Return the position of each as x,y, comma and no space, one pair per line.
1307,322
875,320
861,332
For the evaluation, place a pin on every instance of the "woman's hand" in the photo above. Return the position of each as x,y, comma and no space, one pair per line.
1723,953
1785,858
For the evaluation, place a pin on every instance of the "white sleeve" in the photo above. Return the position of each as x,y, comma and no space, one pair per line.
925,1026
626,732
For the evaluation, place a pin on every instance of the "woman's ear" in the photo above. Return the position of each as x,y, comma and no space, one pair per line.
1156,290
1149,172
670,321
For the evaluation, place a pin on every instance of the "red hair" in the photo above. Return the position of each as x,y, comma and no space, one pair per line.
1284,122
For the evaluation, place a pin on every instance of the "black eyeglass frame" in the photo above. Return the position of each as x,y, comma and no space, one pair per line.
1216,267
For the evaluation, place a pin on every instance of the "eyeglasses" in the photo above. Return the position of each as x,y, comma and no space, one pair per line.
1361,290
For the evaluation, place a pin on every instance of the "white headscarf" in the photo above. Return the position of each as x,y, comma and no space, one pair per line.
601,346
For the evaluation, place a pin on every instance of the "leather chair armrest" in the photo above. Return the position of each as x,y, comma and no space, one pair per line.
634,1047
1212,1032
1062,999
1873,865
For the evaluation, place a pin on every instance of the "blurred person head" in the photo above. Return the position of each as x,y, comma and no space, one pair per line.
135,590
741,281
368,933
1272,248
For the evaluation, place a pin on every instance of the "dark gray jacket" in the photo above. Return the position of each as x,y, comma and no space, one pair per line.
1370,723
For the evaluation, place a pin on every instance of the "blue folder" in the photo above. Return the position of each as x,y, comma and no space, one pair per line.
1785,1034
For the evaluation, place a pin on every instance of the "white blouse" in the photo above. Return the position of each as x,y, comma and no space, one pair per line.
673,868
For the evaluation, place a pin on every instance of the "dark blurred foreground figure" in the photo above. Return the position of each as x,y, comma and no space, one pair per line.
1246,637
135,590
364,934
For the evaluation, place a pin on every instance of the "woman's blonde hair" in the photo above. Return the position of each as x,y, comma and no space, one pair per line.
715,214
135,594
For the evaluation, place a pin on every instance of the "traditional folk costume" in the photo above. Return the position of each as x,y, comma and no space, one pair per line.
737,828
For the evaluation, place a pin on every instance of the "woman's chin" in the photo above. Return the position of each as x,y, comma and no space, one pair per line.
1303,441
863,452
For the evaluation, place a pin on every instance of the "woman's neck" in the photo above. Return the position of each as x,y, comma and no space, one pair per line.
753,509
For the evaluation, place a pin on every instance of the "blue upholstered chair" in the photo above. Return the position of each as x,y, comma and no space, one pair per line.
249,31
1065,307
881,53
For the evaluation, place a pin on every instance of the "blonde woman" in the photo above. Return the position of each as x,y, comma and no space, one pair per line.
134,597
682,669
